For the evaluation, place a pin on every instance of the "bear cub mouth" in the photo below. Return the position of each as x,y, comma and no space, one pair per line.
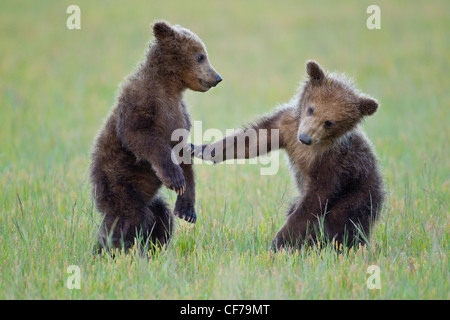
207,84
210,84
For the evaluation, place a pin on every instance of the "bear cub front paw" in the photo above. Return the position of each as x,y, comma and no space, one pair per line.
204,152
174,180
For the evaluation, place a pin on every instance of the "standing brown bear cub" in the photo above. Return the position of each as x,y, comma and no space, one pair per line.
133,155
341,188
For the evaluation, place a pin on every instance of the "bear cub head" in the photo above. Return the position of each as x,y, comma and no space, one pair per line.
330,107
183,57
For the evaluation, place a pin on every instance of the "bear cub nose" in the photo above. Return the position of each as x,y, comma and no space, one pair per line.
218,79
305,139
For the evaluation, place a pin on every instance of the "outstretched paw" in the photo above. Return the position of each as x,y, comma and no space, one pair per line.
205,152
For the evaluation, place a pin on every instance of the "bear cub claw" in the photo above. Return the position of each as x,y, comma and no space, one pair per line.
184,209
175,181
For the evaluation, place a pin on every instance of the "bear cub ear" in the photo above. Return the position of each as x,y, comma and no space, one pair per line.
367,106
314,71
161,30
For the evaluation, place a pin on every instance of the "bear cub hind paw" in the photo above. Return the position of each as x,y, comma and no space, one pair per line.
184,209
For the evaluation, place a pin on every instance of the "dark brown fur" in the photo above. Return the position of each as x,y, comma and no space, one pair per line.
341,188
132,157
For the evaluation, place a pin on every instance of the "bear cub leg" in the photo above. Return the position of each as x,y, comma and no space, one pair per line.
151,225
185,204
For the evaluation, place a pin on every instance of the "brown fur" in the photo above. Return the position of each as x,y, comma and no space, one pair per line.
132,157
336,171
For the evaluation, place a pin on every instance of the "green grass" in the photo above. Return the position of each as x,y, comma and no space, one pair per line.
57,86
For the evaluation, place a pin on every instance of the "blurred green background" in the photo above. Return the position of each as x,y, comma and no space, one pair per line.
58,85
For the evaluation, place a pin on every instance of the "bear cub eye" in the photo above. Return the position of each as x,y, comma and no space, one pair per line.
201,57
310,111
328,124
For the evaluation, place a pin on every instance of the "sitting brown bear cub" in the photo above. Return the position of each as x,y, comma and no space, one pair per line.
133,155
341,188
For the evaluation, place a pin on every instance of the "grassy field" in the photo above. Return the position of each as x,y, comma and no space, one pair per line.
57,86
